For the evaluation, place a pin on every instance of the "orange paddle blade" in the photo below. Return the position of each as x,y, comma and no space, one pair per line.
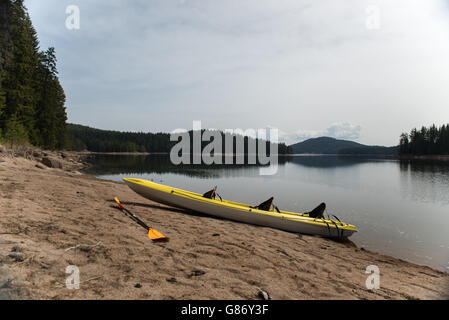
156,235
118,202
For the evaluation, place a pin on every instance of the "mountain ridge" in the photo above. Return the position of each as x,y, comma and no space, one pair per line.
329,145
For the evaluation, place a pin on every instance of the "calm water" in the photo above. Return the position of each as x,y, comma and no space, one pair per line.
400,208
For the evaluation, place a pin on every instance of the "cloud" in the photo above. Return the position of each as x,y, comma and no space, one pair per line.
297,136
338,130
344,131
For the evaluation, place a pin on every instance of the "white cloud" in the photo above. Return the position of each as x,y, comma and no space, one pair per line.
345,131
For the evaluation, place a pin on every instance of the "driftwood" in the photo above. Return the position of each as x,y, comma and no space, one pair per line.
83,245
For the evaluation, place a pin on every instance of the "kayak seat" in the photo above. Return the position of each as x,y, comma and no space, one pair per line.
210,194
318,212
265,206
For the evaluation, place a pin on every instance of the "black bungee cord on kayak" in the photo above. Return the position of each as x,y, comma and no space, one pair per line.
340,235
338,230
276,208
341,223
327,224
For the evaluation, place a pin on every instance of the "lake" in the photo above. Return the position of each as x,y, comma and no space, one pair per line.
401,208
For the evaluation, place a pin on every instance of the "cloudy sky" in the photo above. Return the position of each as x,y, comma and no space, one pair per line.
355,69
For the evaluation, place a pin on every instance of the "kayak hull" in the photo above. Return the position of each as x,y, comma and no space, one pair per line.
175,198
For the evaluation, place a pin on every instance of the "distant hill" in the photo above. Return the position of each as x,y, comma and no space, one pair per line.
328,145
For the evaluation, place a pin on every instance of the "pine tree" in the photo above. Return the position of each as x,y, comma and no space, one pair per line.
404,144
14,132
430,140
2,98
31,96
21,47
50,111
4,53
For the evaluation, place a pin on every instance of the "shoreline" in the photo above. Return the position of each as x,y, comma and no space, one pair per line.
442,158
59,216
429,157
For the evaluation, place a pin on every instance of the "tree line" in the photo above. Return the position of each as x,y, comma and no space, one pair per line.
32,101
427,140
97,140
370,150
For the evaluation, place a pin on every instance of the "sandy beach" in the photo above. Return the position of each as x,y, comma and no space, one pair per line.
55,217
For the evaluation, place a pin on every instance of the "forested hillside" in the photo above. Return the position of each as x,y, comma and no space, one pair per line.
323,145
328,145
96,140
31,98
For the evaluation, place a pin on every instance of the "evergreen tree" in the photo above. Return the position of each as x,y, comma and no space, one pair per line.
31,96
19,67
15,132
430,140
2,98
404,147
4,43
50,111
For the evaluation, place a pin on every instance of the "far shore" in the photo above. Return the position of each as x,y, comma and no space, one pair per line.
424,157
57,216
149,153
399,157
119,153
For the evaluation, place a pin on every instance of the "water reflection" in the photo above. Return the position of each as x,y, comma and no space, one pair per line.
161,164
333,161
425,181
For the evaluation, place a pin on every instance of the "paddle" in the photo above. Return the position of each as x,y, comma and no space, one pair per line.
152,233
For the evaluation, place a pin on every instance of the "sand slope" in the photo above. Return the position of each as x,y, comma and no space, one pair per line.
47,212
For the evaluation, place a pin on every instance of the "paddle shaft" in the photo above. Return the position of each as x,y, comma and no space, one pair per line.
135,218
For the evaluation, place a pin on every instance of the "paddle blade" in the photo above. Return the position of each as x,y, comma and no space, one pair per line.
156,235
118,202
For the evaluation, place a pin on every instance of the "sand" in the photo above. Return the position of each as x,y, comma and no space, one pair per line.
52,218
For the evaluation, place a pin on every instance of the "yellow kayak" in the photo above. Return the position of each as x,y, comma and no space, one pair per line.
284,220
